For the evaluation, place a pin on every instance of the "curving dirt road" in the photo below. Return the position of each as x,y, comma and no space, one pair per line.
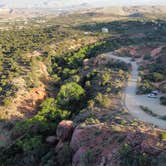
132,101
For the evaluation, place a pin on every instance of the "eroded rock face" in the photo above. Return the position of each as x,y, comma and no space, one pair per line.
76,138
78,156
64,130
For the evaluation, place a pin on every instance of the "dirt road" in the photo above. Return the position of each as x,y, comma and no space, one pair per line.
133,101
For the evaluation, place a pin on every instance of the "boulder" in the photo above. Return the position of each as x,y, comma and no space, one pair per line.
86,62
64,130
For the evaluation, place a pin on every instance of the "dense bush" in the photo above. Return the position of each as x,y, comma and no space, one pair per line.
103,100
159,68
87,158
163,100
130,157
29,144
64,156
154,77
117,64
147,57
44,121
144,87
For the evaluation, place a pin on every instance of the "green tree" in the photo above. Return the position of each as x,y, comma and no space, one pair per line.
51,112
158,77
29,144
70,95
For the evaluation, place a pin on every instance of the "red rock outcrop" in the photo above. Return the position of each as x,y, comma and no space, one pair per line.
75,141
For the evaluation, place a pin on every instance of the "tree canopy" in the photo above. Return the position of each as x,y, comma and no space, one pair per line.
69,94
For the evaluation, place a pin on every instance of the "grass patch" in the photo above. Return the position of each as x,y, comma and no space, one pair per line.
162,136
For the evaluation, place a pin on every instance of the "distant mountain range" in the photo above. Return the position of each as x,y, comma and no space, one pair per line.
132,11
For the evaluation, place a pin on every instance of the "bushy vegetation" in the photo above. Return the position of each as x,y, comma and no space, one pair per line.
163,100
133,158
154,77
162,136
117,64
144,87
88,158
103,100
147,57
148,111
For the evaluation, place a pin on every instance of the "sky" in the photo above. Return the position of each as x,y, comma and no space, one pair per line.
64,3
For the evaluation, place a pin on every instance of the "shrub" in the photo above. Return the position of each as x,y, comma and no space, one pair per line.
91,121
117,64
64,156
144,87
158,77
51,112
105,78
132,158
88,158
148,111
7,101
162,136
103,100
163,100
42,122
159,68
70,95
147,57
29,144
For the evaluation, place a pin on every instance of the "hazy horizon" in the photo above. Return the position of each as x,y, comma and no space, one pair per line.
66,3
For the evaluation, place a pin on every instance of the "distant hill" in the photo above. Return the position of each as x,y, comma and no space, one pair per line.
5,11
132,11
